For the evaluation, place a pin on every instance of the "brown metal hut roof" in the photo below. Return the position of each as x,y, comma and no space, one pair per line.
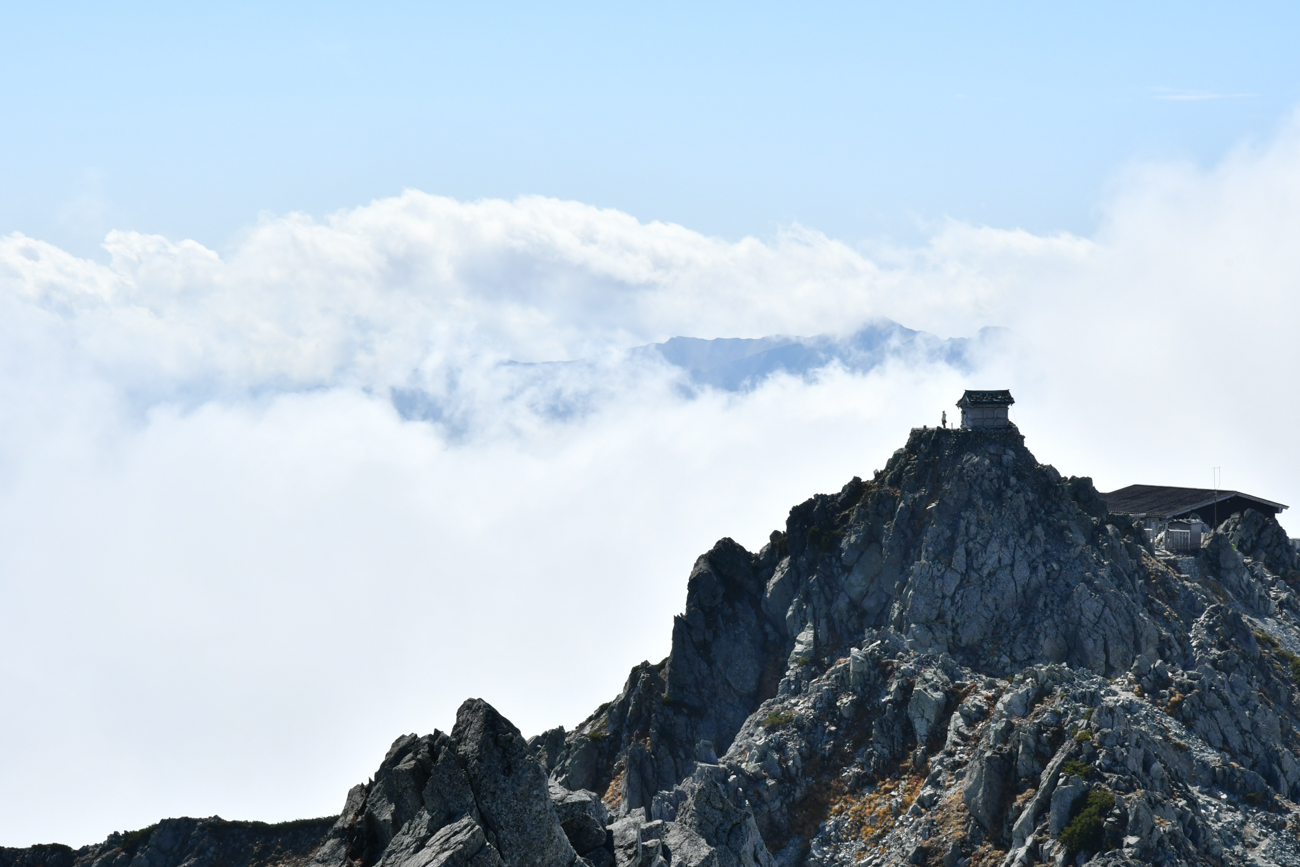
1165,502
986,398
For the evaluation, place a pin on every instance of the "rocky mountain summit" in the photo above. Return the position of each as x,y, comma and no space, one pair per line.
964,661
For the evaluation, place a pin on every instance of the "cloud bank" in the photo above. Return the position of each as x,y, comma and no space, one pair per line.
234,570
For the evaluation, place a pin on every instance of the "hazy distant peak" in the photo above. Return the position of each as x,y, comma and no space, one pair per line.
737,363
572,389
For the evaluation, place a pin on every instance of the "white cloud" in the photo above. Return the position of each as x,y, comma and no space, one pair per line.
233,572
1175,95
374,293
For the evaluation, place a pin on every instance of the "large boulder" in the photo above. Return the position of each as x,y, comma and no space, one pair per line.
1260,536
510,789
583,818
460,844
474,797
716,827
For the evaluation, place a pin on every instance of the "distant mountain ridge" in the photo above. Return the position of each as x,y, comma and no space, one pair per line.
559,390
738,363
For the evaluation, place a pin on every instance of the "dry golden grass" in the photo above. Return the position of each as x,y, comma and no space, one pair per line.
869,817
1175,703
987,855
1024,798
951,816
614,794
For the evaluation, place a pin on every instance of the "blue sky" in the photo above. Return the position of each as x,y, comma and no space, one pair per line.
860,119
230,235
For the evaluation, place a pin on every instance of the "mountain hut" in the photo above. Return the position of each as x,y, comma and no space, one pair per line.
985,409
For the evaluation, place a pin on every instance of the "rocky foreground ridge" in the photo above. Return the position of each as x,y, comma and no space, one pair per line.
964,661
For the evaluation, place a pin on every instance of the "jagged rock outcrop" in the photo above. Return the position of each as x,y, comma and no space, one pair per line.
584,820
725,660
964,661
476,797
885,622
964,544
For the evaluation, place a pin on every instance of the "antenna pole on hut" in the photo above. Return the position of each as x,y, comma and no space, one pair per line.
1217,471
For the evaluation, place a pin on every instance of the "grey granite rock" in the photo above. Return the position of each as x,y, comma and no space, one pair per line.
460,844
583,817
510,789
1063,801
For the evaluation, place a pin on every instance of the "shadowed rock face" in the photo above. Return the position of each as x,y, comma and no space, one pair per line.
963,661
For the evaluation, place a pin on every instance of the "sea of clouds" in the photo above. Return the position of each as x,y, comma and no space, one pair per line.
234,570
